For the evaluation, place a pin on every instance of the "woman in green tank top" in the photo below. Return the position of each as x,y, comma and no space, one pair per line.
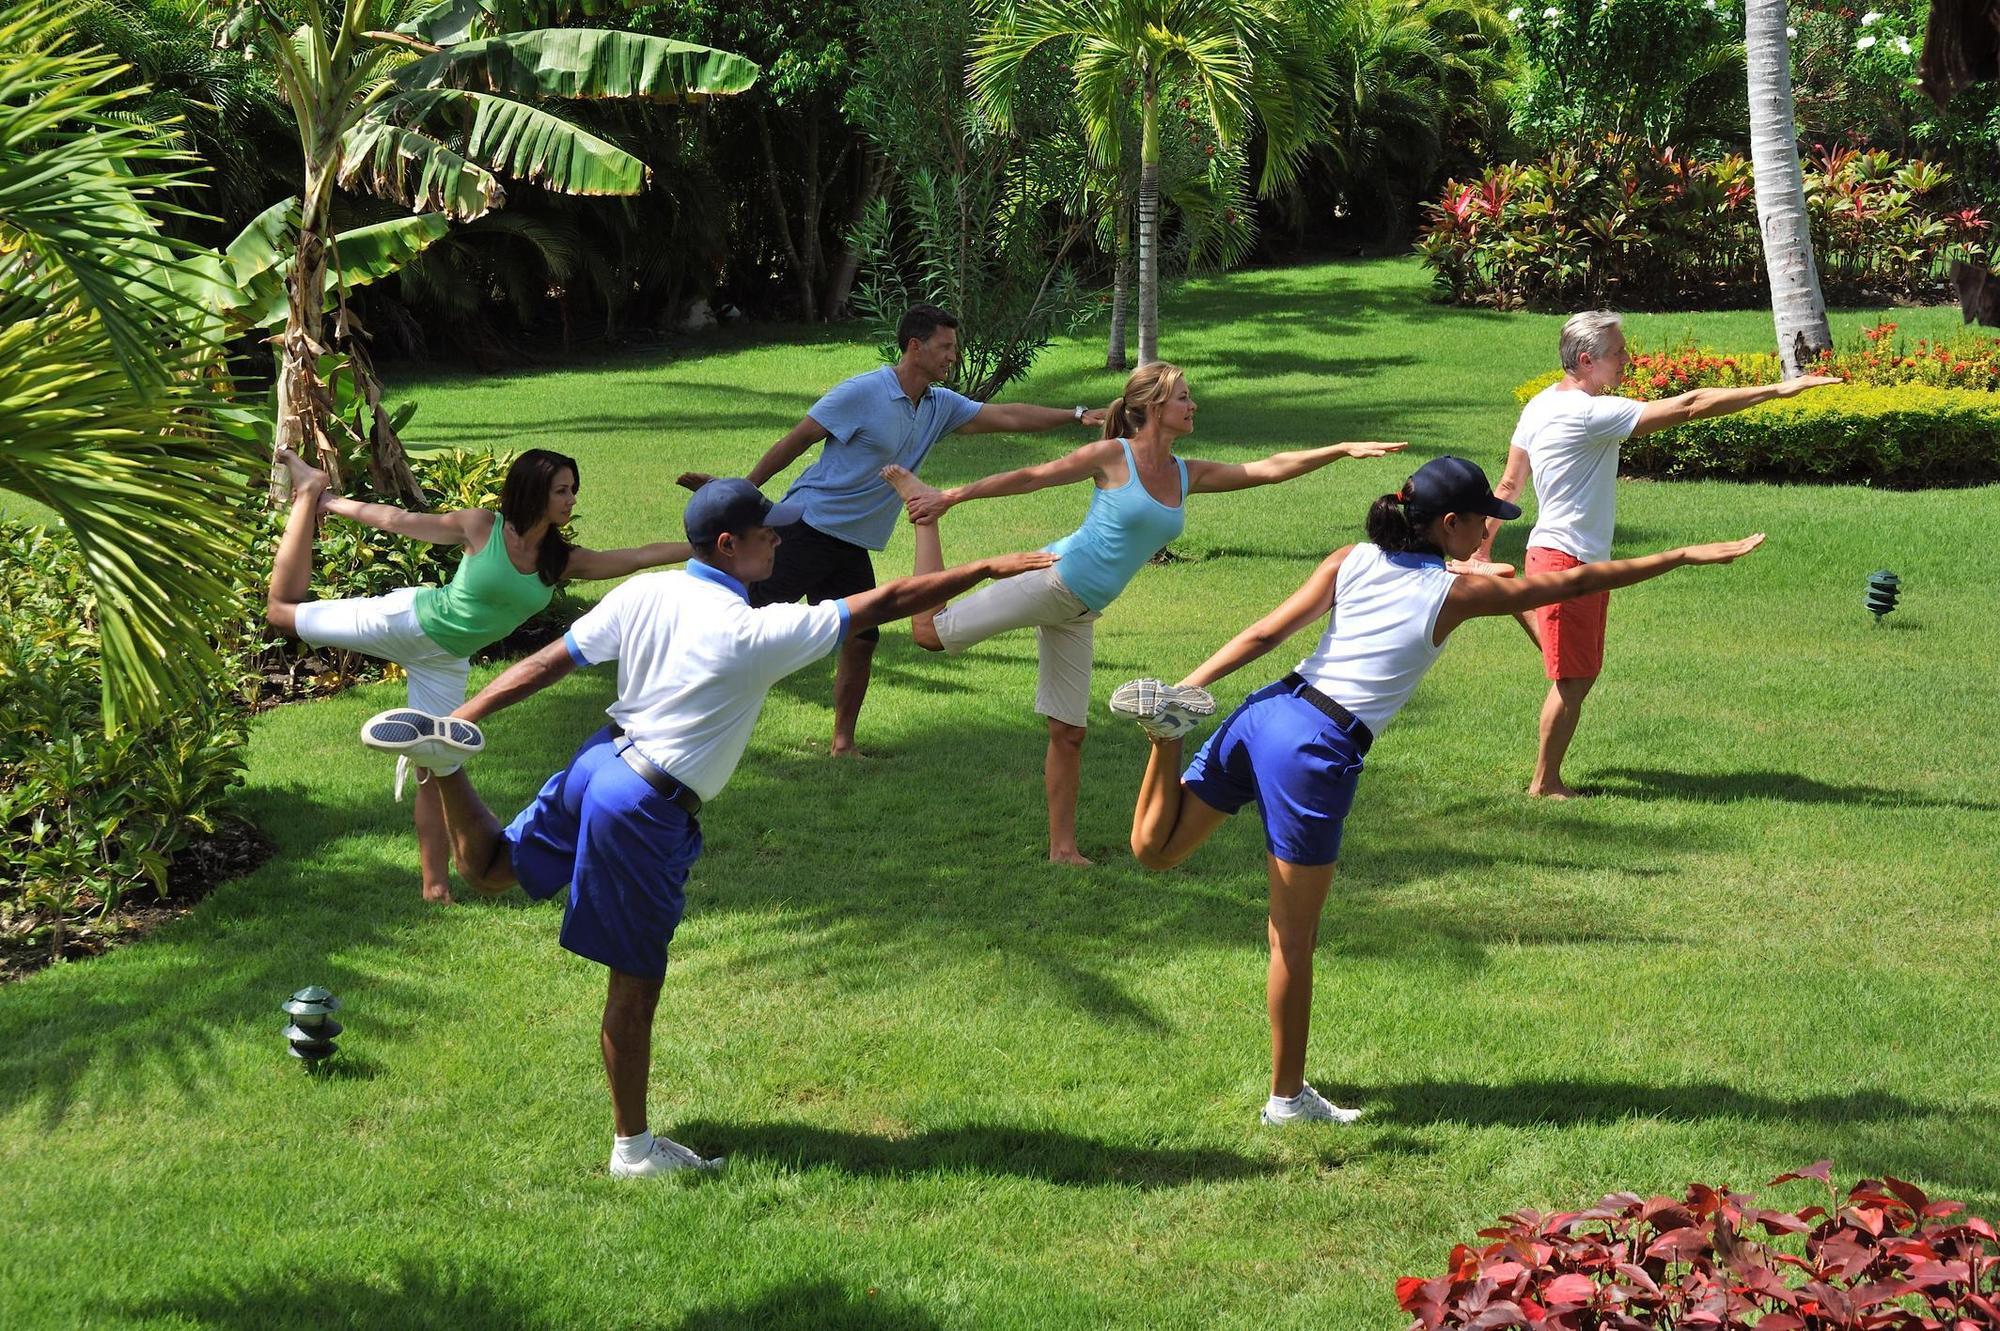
513,560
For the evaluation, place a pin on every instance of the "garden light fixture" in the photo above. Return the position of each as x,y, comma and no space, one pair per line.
1882,593
312,1030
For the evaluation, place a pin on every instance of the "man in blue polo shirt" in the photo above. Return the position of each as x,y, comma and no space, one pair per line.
618,826
893,414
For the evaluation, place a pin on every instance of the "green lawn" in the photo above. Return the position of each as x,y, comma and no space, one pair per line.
964,1089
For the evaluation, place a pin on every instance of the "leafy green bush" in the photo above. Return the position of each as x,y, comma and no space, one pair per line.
1906,436
86,817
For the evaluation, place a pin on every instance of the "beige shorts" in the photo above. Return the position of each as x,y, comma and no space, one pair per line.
386,628
1062,627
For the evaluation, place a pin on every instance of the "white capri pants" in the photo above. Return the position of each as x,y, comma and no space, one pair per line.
385,627
1062,627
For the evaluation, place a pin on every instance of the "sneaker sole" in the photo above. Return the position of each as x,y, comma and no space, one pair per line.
403,729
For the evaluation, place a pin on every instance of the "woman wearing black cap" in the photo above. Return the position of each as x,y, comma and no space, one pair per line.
1296,746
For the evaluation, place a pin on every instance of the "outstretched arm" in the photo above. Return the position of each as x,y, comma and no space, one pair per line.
1301,608
1214,477
527,676
1512,481
1087,461
455,528
776,458
590,564
1022,418
1699,404
903,597
1475,595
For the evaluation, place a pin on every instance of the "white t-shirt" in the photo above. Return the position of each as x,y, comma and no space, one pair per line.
694,663
1377,643
1571,438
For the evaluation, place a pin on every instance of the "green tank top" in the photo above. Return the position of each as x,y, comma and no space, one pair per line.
487,599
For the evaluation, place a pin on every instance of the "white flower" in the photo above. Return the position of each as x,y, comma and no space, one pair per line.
1871,18
1708,5
1903,45
1864,43
1792,33
1514,14
1552,12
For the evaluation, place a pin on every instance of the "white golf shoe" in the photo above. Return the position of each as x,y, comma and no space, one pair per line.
1308,1106
666,1157
1163,711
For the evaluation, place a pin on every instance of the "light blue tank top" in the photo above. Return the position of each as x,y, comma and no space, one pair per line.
1124,528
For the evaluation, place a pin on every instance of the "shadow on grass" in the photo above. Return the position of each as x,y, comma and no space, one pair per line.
1033,1153
1785,787
809,1305
414,1294
1574,1103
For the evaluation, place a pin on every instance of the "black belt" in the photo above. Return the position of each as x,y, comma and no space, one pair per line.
1356,729
658,778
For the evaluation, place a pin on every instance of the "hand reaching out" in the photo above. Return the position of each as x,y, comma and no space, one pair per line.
1371,449
1006,566
1722,552
1488,567
1794,387
1093,418
693,480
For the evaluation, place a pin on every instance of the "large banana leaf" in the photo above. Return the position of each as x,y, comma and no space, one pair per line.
519,140
244,286
583,63
453,21
414,169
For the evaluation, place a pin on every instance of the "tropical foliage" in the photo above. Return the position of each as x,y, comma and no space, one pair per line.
1649,72
1607,224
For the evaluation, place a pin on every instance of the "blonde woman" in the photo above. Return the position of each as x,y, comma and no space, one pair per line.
1137,505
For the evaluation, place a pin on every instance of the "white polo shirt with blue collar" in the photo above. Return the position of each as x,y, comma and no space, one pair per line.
870,422
694,663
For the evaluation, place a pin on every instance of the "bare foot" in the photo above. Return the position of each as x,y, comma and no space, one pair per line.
438,896
1069,857
306,478
1555,790
922,502
846,749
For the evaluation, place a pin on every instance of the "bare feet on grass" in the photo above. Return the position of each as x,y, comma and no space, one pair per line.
924,503
1554,790
437,896
1070,856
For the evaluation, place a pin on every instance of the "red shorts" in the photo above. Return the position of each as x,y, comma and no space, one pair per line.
1573,630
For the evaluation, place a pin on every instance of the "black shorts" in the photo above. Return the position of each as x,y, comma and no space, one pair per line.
812,566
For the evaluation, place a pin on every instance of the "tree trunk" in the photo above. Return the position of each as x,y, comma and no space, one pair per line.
1149,229
1797,308
874,169
1121,291
301,420
780,218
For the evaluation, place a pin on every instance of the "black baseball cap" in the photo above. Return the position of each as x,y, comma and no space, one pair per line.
1453,485
732,504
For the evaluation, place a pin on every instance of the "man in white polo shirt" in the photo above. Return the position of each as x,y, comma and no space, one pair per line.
1567,441
618,825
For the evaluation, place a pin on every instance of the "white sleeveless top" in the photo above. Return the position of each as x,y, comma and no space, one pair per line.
1377,643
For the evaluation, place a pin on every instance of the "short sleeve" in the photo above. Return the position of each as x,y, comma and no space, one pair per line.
1612,419
598,635
788,637
954,409
840,410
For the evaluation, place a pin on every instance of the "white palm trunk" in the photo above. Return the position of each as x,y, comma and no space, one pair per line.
1797,307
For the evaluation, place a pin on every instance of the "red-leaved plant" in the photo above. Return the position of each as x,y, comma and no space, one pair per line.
1888,1258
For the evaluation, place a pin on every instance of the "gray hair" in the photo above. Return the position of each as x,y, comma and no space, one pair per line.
1590,332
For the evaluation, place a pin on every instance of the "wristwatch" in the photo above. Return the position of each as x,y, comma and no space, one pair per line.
1079,413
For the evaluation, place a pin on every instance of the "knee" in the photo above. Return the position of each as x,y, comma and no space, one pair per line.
280,615
630,1000
1153,857
1065,736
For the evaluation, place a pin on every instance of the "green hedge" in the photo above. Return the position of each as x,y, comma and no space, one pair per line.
1908,436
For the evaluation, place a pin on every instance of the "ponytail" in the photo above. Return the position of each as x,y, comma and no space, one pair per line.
1397,528
1116,425
1148,387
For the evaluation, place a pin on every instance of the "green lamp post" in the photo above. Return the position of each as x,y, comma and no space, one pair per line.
310,1036
1882,592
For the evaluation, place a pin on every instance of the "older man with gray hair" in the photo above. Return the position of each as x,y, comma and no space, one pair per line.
1567,443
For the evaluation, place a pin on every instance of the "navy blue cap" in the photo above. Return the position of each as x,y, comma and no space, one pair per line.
1453,485
732,504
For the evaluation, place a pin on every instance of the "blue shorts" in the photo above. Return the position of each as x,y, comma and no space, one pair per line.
1294,760
621,848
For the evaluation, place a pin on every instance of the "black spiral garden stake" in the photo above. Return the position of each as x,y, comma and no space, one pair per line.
1882,593
313,1027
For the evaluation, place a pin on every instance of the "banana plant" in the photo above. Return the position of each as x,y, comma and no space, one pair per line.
431,107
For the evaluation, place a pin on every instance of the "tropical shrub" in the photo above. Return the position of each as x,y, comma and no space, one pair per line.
1651,71
1610,225
1912,418
88,816
1884,1258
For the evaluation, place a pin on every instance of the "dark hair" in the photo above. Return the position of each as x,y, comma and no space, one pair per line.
919,322
1396,527
524,501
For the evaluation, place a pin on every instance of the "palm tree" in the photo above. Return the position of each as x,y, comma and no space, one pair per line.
108,410
1797,307
1238,61
430,115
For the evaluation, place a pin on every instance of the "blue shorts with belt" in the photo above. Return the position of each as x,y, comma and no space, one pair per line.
1294,760
621,848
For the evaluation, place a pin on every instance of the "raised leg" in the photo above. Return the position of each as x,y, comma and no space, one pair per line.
433,843
1561,711
1062,777
291,568
1298,892
1169,824
850,687
476,841
930,553
627,1040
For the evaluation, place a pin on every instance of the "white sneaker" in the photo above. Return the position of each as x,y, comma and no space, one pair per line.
666,1157
440,743
1163,711
1308,1106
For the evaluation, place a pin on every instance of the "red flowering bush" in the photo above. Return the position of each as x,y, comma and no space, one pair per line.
1887,1258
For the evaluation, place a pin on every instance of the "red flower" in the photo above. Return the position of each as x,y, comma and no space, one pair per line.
1659,381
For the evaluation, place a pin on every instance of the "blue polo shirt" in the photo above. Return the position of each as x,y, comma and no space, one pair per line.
870,422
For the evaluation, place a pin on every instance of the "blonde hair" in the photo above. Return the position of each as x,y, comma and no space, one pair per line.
1149,387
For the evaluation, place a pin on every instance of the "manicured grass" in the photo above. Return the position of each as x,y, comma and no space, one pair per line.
965,1089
